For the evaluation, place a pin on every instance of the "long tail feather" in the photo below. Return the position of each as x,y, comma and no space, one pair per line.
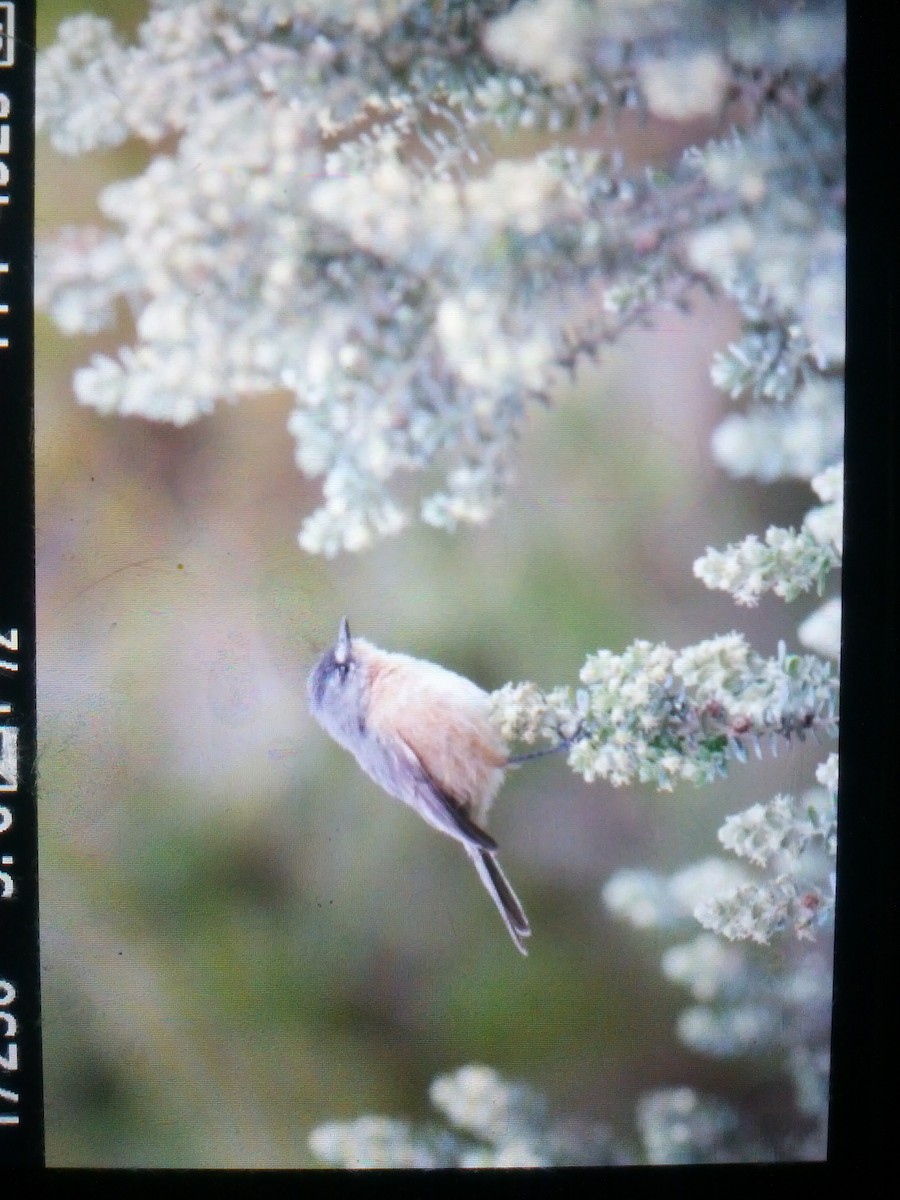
502,894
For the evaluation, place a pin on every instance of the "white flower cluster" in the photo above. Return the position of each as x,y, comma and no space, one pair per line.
744,1005
493,1123
650,901
787,563
657,715
782,258
87,49
827,522
710,969
821,631
706,966
759,910
783,1011
476,1100
522,712
731,1030
379,1142
86,264
797,840
784,826
685,86
747,1006
812,36
254,260
793,427
679,1126
827,775
546,36
795,439
785,263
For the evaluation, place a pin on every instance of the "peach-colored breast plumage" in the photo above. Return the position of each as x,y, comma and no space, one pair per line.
443,718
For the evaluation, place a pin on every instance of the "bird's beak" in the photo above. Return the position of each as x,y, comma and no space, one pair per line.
342,649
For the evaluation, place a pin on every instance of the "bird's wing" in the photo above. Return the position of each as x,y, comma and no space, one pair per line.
439,808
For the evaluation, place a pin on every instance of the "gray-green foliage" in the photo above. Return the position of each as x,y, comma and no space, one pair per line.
321,222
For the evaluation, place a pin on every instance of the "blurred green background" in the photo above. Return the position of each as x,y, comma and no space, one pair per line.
242,937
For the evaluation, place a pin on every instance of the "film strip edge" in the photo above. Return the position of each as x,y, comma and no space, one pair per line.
21,1090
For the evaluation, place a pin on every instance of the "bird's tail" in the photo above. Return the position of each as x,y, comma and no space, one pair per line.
502,894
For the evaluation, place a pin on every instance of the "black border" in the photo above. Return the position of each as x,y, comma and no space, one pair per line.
21,1144
864,1059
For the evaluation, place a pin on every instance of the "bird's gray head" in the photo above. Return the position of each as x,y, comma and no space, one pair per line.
338,691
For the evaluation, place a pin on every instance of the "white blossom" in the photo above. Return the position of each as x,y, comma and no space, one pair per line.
492,1123
794,439
678,1125
782,827
546,36
684,86
758,911
821,631
827,774
706,966
786,563
372,1142
477,1100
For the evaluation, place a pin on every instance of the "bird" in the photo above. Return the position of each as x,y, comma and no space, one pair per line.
423,733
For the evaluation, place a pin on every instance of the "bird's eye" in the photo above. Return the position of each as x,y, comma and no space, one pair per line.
343,670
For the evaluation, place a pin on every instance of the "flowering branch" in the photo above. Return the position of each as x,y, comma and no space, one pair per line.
658,715
320,223
788,563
